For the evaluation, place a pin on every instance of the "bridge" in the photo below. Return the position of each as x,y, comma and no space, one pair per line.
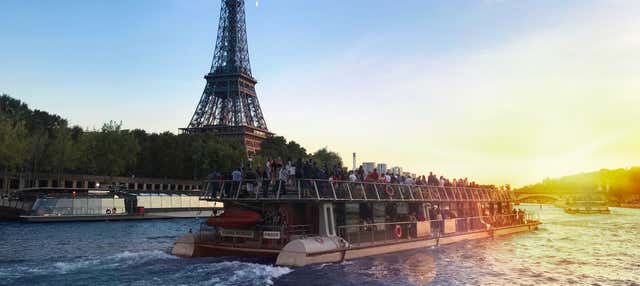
536,198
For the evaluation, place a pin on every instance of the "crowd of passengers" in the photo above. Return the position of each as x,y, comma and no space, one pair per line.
278,173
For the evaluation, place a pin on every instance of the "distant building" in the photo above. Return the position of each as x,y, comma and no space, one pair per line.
408,174
368,167
382,168
396,170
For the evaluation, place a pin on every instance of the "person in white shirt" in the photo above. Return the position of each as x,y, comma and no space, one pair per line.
352,177
283,176
408,181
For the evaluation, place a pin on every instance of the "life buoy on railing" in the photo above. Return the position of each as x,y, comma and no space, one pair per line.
398,231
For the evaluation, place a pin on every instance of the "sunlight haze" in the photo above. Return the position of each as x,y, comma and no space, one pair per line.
490,90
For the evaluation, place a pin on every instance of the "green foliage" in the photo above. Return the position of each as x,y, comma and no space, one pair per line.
278,147
36,141
618,184
324,157
14,143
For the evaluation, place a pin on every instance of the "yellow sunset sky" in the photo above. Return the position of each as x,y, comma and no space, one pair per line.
499,91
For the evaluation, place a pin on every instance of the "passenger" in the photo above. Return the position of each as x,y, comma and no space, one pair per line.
299,169
352,177
521,216
291,172
114,210
283,178
214,183
236,176
412,226
265,183
374,175
251,178
268,165
422,216
440,220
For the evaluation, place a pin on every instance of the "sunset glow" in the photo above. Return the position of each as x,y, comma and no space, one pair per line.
503,93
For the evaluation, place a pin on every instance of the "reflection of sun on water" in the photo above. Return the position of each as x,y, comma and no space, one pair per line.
419,268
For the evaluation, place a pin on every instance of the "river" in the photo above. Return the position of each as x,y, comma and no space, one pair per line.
567,249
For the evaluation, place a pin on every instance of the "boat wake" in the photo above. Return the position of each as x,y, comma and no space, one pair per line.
165,269
123,259
233,273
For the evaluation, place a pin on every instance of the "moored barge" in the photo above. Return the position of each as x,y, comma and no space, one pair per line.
323,221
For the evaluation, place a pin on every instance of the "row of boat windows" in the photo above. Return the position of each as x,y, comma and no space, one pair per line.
15,184
98,206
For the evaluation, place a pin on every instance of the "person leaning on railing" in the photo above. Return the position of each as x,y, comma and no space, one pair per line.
265,183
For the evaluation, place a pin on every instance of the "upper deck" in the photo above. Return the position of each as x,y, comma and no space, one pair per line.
331,190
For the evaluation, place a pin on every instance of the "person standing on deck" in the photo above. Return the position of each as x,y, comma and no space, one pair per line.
267,166
266,179
236,176
299,169
214,183
283,176
291,172
352,177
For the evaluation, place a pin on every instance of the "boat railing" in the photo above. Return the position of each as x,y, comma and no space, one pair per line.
336,190
381,233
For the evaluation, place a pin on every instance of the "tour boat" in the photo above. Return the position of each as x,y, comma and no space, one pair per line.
102,204
326,221
586,203
587,207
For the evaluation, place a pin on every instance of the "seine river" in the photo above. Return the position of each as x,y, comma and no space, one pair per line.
567,250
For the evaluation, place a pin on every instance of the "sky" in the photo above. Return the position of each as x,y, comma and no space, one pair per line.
500,91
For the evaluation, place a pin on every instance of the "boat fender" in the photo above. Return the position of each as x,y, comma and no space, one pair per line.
398,231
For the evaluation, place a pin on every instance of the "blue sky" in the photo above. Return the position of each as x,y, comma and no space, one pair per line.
449,86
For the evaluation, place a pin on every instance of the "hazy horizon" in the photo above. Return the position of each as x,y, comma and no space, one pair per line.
495,90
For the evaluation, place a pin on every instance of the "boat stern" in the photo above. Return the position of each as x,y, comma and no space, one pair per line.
185,246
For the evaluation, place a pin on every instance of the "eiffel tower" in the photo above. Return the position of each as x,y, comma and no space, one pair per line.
229,105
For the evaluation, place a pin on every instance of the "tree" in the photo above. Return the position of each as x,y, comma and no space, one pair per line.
14,144
324,157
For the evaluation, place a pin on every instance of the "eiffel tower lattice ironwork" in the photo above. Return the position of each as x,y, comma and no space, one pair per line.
229,105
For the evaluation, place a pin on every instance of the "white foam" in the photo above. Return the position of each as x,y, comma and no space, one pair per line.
113,261
238,273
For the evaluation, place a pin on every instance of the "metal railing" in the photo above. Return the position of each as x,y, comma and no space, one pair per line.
331,190
382,233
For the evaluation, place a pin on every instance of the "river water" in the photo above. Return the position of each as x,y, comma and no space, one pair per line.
566,250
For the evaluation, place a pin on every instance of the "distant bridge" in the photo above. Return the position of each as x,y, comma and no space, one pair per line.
525,197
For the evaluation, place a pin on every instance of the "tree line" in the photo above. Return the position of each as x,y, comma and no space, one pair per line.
619,185
39,142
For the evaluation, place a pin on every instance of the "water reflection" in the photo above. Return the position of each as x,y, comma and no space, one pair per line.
419,268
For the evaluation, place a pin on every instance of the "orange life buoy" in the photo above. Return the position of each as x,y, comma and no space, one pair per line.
398,231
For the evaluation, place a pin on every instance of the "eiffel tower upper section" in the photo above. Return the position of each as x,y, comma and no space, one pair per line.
229,105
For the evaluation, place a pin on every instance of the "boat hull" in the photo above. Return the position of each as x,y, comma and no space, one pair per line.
190,246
